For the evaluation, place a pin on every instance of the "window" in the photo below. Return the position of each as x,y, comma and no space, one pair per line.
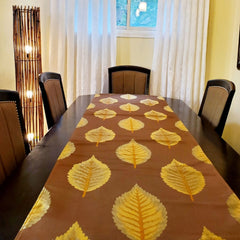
136,17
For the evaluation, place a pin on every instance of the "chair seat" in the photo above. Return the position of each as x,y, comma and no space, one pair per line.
53,96
13,142
129,79
216,103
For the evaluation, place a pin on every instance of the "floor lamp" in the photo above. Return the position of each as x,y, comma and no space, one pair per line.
27,53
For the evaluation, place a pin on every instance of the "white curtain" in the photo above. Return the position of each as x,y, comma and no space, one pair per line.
178,69
82,44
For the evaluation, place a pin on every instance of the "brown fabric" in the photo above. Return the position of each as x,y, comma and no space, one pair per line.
214,104
129,82
185,218
12,150
55,98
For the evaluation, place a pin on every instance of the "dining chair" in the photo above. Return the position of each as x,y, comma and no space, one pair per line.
14,145
129,79
53,96
216,103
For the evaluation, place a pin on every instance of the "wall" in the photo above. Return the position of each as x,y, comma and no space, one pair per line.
222,50
135,51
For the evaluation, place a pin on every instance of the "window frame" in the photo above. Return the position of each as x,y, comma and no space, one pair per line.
141,32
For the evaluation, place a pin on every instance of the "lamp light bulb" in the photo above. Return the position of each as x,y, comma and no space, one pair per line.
29,94
30,136
28,49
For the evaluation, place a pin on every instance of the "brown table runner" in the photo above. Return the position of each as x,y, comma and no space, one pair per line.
131,170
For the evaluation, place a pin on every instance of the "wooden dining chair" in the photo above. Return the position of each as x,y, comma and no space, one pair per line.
216,103
53,96
129,79
14,145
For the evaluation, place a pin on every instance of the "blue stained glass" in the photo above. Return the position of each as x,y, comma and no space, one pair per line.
141,16
121,9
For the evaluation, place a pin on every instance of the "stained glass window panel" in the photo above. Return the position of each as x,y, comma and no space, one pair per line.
143,13
121,9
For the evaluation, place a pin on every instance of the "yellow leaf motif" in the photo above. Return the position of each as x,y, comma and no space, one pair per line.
67,151
168,109
89,175
149,102
131,124
133,153
100,135
207,235
73,233
165,137
198,153
183,178
83,122
97,95
105,114
157,116
129,107
128,96
234,207
108,100
160,98
139,215
39,209
179,124
90,106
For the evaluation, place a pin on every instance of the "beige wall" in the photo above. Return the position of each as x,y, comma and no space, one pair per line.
135,51
222,58
221,54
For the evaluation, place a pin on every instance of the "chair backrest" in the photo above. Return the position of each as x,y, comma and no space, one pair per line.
216,103
129,79
14,145
53,96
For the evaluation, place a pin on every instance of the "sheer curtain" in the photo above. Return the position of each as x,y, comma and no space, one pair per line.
82,44
178,69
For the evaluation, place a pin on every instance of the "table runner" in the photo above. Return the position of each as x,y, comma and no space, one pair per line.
131,170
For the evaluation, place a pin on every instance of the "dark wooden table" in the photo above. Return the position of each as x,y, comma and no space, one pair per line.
19,193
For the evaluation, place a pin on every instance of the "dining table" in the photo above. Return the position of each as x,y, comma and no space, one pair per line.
125,166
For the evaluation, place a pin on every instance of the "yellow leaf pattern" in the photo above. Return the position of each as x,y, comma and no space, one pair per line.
83,122
90,106
100,135
73,233
67,151
234,206
157,116
183,178
105,114
179,124
108,100
128,96
198,153
131,124
97,95
160,98
139,215
165,137
39,209
89,175
133,153
149,102
168,109
129,107
207,235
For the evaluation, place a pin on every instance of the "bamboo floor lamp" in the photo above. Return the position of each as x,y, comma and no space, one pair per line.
28,65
